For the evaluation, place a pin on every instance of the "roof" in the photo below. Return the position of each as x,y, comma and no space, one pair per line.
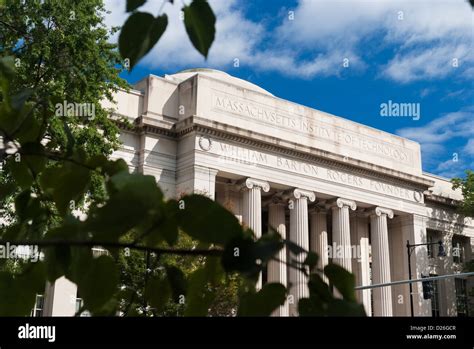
219,75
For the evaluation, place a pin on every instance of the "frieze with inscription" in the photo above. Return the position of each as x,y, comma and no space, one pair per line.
239,155
311,127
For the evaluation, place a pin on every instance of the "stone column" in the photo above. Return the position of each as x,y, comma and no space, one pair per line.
381,261
319,237
277,269
341,236
360,263
60,298
252,208
299,234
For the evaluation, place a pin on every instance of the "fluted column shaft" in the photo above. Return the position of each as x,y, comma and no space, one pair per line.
319,238
252,209
360,263
277,271
299,234
341,233
381,261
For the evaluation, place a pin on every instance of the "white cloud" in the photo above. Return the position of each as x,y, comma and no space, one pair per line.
435,138
427,34
321,35
469,147
427,63
449,126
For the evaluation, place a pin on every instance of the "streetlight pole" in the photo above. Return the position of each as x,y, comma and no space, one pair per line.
410,249
409,277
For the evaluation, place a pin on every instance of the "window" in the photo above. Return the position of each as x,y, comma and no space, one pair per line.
38,307
458,249
79,304
435,298
433,237
99,251
461,297
430,240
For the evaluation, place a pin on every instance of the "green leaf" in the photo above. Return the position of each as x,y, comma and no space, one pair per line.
177,282
7,66
294,248
342,280
18,293
28,166
165,226
100,161
239,255
81,260
311,260
139,34
199,294
341,307
34,157
134,198
27,207
206,220
311,307
7,189
110,167
267,247
99,282
30,127
18,100
71,142
319,289
58,259
321,301
158,292
20,172
264,302
134,4
200,22
64,184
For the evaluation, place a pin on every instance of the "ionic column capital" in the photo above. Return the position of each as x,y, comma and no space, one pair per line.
379,211
301,193
340,203
251,183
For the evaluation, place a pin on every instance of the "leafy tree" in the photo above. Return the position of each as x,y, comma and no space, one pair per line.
62,57
466,185
53,161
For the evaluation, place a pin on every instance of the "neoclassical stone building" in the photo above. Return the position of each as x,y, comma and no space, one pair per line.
351,193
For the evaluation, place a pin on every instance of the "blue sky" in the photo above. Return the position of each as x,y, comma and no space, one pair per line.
401,51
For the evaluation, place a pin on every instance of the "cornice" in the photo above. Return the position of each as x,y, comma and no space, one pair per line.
270,143
442,201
